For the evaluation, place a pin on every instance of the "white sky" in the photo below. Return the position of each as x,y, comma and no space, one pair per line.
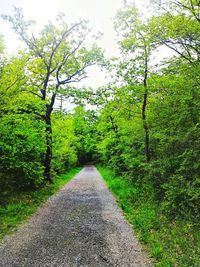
99,12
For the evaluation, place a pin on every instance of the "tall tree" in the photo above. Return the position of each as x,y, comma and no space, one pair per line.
57,57
136,46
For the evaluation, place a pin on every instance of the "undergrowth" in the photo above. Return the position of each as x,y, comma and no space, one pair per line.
15,207
170,242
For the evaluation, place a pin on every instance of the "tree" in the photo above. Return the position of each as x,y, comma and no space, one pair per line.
84,122
21,128
64,142
136,46
57,57
178,29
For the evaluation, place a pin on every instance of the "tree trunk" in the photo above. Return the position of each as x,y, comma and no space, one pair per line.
48,156
146,128
144,105
114,126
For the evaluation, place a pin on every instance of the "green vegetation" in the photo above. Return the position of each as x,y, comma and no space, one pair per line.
170,242
17,206
30,83
145,125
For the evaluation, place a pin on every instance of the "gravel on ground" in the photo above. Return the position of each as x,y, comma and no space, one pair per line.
80,226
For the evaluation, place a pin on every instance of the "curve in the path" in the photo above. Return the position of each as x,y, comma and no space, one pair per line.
80,226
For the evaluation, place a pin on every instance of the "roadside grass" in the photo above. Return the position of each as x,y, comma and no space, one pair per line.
170,242
16,207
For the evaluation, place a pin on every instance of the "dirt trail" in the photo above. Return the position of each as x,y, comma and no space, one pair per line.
80,226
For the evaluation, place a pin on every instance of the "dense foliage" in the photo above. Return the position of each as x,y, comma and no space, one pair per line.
31,83
145,126
170,94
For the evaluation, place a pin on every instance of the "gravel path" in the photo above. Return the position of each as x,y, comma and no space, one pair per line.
80,226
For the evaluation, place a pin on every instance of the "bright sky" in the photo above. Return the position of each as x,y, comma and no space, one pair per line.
99,12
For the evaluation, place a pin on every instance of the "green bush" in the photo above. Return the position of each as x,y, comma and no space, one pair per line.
21,147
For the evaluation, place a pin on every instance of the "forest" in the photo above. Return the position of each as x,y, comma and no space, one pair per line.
142,130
